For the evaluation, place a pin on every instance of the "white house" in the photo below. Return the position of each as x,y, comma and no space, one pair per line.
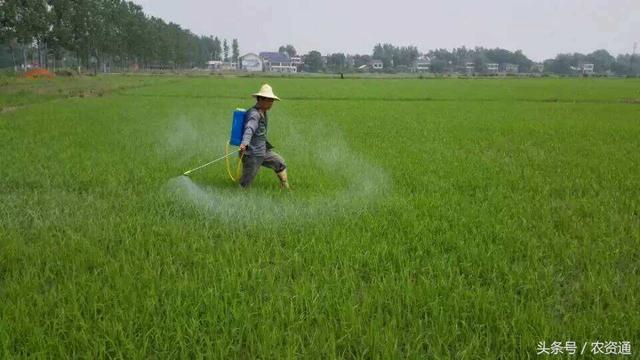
469,67
376,64
296,60
537,68
217,65
511,68
251,62
585,69
492,68
421,64
214,65
277,62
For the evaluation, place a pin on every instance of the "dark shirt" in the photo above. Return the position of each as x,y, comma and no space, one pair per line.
255,133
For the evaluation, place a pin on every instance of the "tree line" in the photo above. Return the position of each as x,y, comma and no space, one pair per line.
603,61
100,33
443,60
462,59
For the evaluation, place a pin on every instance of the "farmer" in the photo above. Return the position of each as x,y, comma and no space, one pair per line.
255,148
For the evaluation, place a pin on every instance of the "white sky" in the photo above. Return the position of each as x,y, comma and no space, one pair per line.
541,28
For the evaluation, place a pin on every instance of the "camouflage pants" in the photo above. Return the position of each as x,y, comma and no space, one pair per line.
251,164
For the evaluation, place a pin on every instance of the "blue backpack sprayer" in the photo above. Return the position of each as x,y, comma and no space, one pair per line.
237,128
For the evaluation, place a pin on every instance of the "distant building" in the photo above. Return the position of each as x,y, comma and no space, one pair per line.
376,64
251,62
296,60
587,69
217,65
470,67
511,68
537,68
492,68
584,69
277,62
421,65
214,65
229,66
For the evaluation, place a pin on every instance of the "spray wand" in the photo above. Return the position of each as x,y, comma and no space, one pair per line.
237,128
209,163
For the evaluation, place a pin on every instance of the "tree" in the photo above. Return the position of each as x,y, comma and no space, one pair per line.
458,58
627,64
23,22
291,50
462,55
404,56
8,31
438,65
99,32
337,62
499,56
137,36
288,49
523,62
80,30
206,49
235,50
440,60
313,61
602,60
393,56
359,60
384,52
114,27
103,31
225,47
560,65
217,49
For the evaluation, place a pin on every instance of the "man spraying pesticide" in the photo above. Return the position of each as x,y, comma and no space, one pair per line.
249,131
255,149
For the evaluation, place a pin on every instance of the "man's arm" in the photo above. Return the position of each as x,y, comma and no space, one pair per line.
249,129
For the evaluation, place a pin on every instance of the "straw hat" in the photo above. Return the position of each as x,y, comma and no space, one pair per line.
267,92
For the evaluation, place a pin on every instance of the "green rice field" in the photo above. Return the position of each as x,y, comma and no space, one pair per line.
428,219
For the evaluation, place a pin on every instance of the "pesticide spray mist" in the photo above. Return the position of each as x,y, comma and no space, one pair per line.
357,184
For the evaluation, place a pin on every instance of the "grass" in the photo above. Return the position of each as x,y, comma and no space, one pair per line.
17,91
429,219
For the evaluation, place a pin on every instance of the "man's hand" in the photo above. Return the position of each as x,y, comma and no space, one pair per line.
243,148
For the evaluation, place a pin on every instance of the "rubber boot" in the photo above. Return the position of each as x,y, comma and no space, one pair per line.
284,182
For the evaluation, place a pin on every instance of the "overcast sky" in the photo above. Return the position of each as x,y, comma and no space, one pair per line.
541,28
